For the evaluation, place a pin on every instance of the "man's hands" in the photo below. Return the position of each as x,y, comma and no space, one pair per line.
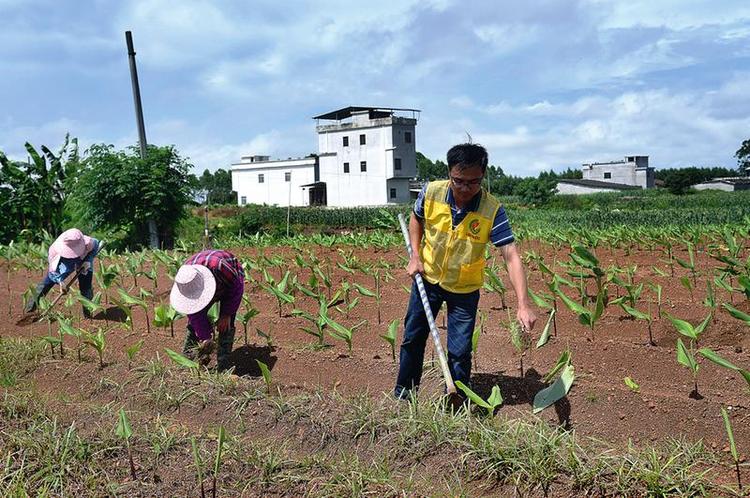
415,265
526,317
205,348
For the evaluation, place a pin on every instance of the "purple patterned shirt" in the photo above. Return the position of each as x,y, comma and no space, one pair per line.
230,285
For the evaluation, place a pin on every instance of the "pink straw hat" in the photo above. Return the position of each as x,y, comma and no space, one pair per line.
194,287
71,244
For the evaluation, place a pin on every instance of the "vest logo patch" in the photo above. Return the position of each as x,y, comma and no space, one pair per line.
474,227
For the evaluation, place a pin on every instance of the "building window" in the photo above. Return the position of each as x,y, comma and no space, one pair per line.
260,178
397,164
346,167
243,200
393,193
346,141
363,166
607,175
407,137
288,176
362,140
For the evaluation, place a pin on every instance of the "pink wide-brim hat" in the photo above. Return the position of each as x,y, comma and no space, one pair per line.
194,287
72,243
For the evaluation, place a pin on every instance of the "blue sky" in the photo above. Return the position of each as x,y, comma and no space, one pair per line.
546,84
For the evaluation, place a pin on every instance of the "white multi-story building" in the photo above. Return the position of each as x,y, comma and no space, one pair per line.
366,157
632,172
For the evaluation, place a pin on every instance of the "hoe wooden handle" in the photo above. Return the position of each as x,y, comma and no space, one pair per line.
449,386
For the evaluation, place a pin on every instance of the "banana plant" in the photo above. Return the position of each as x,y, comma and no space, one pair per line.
640,315
519,338
390,337
183,361
245,318
130,301
544,336
495,399
586,316
686,354
493,283
165,316
544,303
133,350
319,322
342,333
97,342
278,290
710,299
124,431
66,328
558,389
364,291
690,263
106,276
93,305
588,263
657,290
739,315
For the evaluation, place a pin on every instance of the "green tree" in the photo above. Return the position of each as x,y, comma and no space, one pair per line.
118,192
428,170
217,187
32,194
743,158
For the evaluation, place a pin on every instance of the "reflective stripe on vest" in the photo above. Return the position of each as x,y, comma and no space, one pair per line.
454,257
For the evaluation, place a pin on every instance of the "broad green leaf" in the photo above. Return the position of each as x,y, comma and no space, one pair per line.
131,351
265,372
538,300
683,327
364,291
702,326
714,357
586,255
181,360
572,305
547,331
390,336
496,397
474,397
556,391
123,429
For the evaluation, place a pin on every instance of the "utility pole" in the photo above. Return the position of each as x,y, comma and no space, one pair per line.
152,231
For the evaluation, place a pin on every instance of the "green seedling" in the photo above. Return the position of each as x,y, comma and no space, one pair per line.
124,431
732,447
586,316
165,316
710,300
686,283
342,333
390,337
495,399
520,340
493,283
657,289
217,462
98,343
690,264
268,336
198,466
640,315
133,350
544,303
278,290
632,385
93,305
131,301
364,291
67,329
686,358
266,372
245,320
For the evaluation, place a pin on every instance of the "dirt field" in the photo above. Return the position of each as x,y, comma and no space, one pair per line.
599,405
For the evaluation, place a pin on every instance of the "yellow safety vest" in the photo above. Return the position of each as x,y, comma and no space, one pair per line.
454,257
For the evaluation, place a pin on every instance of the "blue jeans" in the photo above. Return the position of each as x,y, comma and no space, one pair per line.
84,284
462,314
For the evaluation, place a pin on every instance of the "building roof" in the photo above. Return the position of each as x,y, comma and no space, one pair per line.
600,184
375,112
735,180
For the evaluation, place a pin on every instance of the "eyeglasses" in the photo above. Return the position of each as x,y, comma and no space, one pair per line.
458,182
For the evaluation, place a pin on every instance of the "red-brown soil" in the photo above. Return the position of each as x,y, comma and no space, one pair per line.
599,405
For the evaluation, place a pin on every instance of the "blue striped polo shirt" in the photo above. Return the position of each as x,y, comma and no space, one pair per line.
501,232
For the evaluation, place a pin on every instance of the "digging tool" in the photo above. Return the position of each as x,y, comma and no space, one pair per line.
450,388
36,316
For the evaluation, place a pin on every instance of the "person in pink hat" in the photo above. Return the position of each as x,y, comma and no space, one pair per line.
71,250
206,278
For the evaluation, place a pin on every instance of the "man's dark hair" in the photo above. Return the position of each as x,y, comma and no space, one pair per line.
465,156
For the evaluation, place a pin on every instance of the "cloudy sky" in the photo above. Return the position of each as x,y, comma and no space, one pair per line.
545,84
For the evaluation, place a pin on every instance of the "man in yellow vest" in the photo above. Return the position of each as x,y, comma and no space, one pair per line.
451,224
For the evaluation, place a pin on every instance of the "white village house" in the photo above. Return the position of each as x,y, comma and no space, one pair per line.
631,173
366,157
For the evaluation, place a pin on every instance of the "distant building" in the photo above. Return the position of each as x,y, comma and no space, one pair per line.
366,157
732,184
633,172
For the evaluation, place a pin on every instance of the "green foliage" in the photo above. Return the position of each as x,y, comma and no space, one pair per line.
156,188
216,188
743,157
679,180
495,399
32,194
